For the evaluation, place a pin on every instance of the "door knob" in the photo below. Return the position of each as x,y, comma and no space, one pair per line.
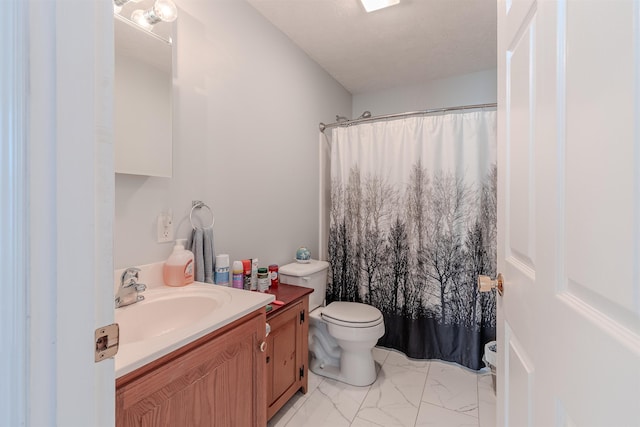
485,284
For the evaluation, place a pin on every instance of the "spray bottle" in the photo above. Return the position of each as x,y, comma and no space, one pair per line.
238,275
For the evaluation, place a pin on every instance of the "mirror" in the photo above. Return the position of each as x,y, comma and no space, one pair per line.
142,101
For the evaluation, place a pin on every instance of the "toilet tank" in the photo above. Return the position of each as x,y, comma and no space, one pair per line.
310,275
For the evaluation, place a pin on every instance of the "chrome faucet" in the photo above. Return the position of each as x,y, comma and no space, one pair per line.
129,288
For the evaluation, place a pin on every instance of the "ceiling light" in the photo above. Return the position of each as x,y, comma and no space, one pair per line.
371,5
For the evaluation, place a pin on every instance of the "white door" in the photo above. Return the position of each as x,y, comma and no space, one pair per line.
56,81
569,212
84,208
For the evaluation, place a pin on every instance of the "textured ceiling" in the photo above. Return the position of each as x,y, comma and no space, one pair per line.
411,43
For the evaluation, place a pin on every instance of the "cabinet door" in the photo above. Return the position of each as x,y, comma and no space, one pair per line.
219,383
285,354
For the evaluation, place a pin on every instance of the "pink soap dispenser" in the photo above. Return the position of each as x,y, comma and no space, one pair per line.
178,269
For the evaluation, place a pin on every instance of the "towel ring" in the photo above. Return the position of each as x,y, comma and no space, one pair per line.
197,204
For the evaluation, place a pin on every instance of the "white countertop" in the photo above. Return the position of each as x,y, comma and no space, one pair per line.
170,318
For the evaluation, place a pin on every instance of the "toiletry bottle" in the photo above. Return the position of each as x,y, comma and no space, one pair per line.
238,275
221,276
254,274
263,279
246,265
178,269
273,275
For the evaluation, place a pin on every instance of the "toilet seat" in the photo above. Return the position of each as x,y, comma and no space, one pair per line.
352,314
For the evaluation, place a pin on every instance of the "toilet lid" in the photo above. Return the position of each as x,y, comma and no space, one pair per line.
352,314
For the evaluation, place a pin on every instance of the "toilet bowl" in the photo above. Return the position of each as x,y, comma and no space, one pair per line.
341,344
342,334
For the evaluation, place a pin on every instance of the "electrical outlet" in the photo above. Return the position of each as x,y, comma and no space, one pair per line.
165,227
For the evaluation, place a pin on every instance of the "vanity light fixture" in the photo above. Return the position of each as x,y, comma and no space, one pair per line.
117,4
162,10
372,5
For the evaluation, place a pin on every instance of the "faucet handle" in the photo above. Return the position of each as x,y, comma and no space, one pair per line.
131,275
129,290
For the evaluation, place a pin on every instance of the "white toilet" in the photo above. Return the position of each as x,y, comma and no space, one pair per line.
342,334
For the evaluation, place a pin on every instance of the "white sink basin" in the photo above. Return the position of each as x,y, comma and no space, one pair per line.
166,311
169,318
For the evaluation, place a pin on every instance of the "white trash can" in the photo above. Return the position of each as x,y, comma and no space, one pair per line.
490,359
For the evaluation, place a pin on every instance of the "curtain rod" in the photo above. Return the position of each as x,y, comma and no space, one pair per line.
399,115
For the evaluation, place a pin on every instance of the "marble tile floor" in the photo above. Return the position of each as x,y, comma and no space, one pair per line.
411,393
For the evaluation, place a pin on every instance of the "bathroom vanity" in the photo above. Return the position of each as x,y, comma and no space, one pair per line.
192,355
287,346
217,380
199,354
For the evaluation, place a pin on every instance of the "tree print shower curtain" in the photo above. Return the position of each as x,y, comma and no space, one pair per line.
412,225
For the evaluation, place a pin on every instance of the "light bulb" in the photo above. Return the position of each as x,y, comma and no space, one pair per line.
117,9
165,10
138,17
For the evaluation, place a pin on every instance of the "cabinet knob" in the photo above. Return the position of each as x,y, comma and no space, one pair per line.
263,346
268,330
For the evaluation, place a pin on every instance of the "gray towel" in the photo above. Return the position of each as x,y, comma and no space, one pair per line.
209,255
201,244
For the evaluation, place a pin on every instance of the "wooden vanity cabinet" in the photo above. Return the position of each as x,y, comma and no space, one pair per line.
287,353
218,380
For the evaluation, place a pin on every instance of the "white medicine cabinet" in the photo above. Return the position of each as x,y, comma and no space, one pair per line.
142,116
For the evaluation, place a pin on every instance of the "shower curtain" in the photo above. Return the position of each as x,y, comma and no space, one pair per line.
412,225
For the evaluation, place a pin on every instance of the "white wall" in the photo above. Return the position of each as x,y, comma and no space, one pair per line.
247,103
468,89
